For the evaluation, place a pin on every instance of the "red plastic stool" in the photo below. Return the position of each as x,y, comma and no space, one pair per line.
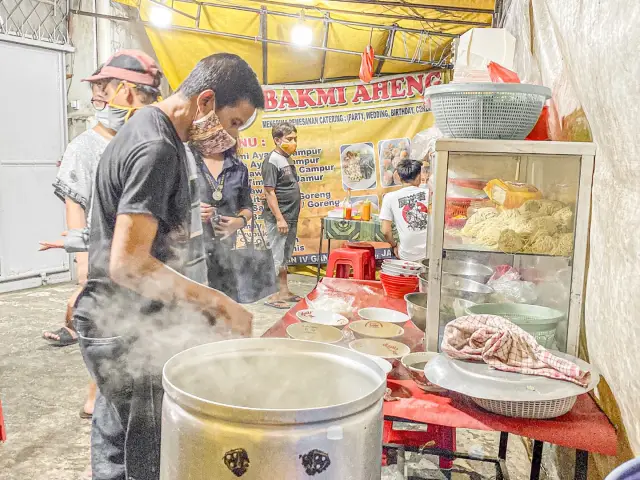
436,436
342,260
369,248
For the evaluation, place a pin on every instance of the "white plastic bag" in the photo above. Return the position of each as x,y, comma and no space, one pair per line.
509,288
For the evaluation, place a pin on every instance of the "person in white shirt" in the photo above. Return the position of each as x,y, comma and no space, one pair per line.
407,208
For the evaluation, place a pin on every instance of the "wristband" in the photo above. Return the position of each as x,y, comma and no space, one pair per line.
244,220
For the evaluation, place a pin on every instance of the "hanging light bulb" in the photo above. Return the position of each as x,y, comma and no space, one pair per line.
160,16
301,34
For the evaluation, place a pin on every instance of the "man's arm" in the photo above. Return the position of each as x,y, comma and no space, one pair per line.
76,221
387,230
272,201
270,180
132,266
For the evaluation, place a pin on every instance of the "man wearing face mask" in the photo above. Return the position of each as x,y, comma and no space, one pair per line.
143,301
282,207
74,182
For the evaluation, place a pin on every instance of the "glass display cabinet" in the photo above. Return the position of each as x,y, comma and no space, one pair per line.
508,231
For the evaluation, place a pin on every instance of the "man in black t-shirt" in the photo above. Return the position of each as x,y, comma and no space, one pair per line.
139,307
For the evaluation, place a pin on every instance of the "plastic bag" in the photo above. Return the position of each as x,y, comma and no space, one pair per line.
541,129
366,64
506,271
499,74
508,287
423,144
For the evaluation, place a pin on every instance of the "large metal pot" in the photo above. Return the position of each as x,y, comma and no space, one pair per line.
261,409
475,292
462,268
467,269
417,309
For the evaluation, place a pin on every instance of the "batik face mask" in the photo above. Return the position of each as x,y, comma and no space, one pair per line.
209,137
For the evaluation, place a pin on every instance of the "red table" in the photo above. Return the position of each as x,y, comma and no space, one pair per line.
3,432
585,428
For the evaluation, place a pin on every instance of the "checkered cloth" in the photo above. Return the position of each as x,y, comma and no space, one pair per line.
505,346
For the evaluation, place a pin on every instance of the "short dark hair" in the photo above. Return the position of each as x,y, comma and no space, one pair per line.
409,170
229,76
283,129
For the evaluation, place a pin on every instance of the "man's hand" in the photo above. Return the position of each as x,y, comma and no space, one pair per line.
283,226
206,211
234,315
228,226
55,244
396,251
47,245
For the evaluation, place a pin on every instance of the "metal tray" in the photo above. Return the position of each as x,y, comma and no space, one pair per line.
480,381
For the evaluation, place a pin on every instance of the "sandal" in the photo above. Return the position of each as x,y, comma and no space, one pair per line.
293,299
64,338
279,304
84,415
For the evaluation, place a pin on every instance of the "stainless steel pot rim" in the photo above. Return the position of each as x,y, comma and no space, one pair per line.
239,414
409,297
465,267
452,282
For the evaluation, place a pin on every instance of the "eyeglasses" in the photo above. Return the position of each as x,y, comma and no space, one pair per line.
99,105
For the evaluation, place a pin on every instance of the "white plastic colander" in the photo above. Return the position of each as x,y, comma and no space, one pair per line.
507,111
530,409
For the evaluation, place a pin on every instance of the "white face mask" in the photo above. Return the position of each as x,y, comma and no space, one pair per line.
112,117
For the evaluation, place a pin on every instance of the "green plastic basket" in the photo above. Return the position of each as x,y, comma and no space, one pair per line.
541,322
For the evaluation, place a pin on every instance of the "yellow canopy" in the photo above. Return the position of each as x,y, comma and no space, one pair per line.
194,30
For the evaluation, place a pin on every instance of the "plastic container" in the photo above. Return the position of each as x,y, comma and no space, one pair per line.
541,322
506,111
365,214
347,206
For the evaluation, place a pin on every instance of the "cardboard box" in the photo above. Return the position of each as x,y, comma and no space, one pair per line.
479,46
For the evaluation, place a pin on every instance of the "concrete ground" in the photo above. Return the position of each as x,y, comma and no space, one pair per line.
42,389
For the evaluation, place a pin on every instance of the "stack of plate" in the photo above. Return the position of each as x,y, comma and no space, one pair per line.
399,277
401,268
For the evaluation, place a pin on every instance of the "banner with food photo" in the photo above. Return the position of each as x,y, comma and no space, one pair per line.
351,136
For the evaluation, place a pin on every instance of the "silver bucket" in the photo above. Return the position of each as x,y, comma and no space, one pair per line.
261,409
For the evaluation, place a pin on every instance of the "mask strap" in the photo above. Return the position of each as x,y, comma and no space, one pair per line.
111,104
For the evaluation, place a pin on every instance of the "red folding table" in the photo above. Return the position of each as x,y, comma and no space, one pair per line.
585,428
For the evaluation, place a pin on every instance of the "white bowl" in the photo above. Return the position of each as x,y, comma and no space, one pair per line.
375,329
403,264
415,363
322,317
383,315
389,350
394,271
382,363
314,332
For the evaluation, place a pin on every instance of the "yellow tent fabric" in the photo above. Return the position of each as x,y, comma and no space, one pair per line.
178,47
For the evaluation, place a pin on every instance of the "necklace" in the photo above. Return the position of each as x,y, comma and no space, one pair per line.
216,187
